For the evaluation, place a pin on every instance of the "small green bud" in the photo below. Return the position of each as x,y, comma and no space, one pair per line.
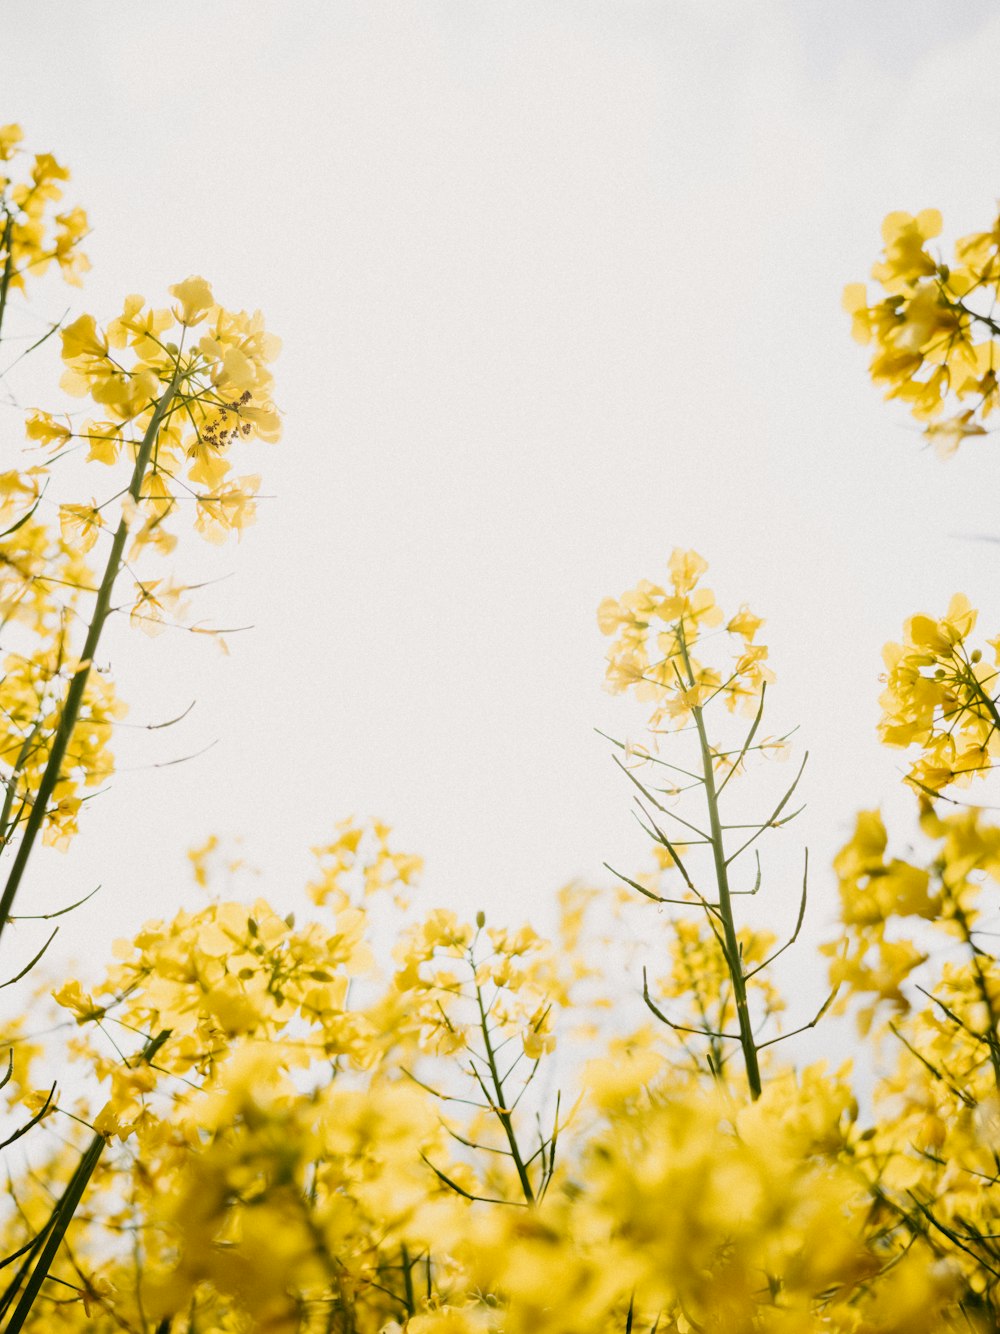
480,919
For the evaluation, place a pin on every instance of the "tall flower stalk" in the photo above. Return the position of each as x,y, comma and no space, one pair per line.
656,634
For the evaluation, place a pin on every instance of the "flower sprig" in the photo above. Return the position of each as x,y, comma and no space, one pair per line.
934,332
215,365
32,234
941,695
655,634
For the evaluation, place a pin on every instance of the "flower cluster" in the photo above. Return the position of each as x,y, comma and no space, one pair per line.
941,695
358,863
232,974
31,693
195,375
178,387
916,953
297,1211
882,895
934,331
655,634
262,1194
313,1147
378,1122
876,892
32,234
44,587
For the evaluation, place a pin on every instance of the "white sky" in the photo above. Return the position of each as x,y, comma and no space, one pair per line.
559,288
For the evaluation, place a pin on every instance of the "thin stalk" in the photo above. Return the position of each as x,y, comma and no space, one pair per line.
982,986
502,1113
725,910
74,696
63,1213
30,1249
8,267
410,1299
68,1204
7,825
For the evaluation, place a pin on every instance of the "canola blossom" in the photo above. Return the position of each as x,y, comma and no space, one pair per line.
656,633
385,1117
934,333
198,372
941,696
33,235
180,391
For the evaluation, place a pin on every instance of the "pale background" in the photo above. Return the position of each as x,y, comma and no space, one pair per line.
559,288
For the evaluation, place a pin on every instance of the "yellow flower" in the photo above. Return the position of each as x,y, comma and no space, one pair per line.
906,260
44,428
932,334
195,300
744,623
940,695
72,996
80,524
10,137
686,568
659,664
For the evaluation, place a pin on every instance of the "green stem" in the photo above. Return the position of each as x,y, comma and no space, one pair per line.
8,267
6,824
732,950
29,1251
410,1299
991,324
989,1035
67,1206
988,703
74,696
726,912
503,1115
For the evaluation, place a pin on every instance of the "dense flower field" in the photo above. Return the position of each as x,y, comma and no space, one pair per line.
387,1118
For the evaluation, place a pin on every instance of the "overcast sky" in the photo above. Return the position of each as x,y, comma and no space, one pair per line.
559,288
